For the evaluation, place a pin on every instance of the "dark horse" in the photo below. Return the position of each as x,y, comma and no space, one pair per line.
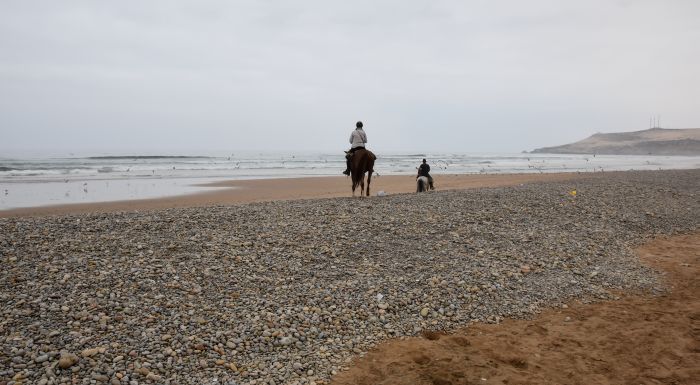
362,162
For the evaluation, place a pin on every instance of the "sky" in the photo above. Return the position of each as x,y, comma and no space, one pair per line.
171,76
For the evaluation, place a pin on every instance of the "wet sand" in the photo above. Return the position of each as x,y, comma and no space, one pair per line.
634,340
261,190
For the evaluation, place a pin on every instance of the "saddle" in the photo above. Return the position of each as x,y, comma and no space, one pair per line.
349,153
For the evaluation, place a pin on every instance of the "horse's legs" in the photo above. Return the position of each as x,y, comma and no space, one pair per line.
362,184
369,178
353,177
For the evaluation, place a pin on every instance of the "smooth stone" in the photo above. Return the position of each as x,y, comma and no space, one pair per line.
90,352
99,377
67,360
41,358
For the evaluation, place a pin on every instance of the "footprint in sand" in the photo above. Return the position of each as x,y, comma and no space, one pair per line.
460,341
537,329
420,359
431,335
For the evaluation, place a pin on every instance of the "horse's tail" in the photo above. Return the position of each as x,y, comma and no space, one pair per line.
356,179
421,184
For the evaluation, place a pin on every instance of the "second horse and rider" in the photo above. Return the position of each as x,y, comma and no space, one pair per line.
358,138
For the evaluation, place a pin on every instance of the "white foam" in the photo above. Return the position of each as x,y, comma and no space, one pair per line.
42,181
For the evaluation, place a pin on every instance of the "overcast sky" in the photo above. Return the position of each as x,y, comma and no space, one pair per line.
169,76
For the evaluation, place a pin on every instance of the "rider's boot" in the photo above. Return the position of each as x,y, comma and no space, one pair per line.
347,165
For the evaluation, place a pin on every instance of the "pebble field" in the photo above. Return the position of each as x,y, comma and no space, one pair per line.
289,292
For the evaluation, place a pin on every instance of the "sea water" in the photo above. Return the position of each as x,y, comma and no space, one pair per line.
27,181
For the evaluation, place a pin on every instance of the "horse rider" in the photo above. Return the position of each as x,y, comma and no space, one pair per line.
358,138
424,170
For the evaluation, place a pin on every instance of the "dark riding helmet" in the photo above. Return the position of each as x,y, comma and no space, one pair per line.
358,124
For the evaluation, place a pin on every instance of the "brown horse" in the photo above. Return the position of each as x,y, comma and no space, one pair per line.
362,162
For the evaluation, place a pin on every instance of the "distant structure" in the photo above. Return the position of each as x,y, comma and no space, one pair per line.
655,122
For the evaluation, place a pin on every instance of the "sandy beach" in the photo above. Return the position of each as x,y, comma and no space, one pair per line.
632,340
491,279
263,190
174,208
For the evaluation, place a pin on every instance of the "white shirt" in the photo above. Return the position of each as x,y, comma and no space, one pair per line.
358,138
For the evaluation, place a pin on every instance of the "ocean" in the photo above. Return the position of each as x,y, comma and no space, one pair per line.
41,181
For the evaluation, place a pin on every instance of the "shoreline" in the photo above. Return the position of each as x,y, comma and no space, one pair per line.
232,192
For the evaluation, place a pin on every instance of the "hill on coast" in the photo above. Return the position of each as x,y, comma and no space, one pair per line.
655,141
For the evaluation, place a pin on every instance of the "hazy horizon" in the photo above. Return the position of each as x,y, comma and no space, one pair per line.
172,76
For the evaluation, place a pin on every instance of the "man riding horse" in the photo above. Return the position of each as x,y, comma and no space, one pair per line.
358,138
424,170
